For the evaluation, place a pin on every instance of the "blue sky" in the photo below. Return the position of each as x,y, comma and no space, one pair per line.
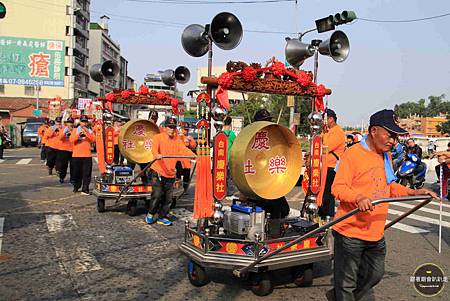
388,63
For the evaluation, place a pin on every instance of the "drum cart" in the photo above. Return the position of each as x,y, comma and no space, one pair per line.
256,260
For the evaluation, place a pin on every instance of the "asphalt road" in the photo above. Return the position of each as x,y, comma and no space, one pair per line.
55,246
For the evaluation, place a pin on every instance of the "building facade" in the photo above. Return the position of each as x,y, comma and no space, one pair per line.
422,126
44,50
103,48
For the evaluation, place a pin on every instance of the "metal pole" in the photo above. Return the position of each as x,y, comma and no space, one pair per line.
240,272
37,97
441,176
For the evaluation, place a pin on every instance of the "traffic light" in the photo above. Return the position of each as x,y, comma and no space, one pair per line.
329,23
2,10
345,17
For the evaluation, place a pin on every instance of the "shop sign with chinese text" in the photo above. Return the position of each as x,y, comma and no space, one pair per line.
31,62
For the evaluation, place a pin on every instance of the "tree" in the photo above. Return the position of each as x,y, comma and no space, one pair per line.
275,104
444,127
436,105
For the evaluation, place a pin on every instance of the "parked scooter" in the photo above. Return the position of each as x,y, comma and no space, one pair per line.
405,173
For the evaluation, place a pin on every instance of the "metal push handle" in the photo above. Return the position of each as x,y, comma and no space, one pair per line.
145,169
425,198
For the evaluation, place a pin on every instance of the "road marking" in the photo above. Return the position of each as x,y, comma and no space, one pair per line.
2,220
408,228
24,161
420,218
2,160
78,260
59,222
435,203
421,209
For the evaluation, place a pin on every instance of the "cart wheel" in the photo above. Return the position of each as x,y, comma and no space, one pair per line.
262,284
132,208
303,275
101,205
197,274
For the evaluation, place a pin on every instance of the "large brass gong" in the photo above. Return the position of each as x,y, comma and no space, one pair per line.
265,160
135,140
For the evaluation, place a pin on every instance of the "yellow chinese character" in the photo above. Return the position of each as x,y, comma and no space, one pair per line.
221,152
220,176
315,173
220,164
220,187
221,144
316,163
316,152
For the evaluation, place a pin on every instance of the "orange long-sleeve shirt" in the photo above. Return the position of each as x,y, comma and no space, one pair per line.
65,144
361,171
81,145
52,136
166,146
41,133
335,140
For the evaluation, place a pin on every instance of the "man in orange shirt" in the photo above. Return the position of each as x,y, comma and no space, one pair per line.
81,139
364,174
64,155
43,140
335,140
52,136
164,144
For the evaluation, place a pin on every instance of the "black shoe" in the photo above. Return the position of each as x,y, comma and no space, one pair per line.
61,180
75,190
50,172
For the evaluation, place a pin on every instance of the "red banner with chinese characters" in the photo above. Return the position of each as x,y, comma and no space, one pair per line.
220,166
109,134
315,164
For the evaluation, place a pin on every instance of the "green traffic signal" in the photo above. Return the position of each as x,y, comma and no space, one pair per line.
2,10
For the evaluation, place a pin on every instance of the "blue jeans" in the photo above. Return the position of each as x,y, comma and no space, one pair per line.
358,267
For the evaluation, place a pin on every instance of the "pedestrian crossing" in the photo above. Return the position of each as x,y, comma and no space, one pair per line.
20,161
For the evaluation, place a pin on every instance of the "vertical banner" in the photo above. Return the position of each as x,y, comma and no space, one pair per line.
109,134
315,164
220,166
98,130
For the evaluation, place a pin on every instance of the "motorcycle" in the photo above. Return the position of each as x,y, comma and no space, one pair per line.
405,173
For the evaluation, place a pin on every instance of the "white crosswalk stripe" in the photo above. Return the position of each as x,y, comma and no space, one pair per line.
425,219
2,220
24,161
408,228
436,203
2,160
423,209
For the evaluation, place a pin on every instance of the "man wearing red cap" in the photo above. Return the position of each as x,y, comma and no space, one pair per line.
365,174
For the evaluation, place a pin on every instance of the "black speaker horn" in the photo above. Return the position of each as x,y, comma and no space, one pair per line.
337,46
108,70
297,52
195,40
180,75
226,31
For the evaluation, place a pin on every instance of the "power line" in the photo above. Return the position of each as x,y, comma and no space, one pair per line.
405,21
196,2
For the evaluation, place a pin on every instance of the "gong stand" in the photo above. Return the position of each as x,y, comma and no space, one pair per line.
276,79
